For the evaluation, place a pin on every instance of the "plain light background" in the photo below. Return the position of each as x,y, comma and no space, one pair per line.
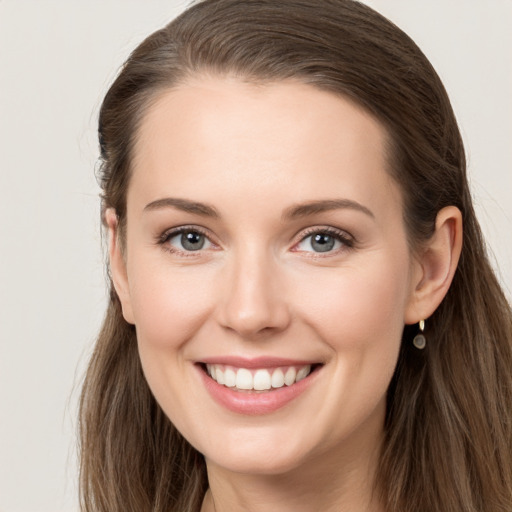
56,60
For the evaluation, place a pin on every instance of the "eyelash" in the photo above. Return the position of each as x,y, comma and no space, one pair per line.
171,233
343,237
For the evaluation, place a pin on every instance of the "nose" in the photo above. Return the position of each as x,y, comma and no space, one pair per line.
253,302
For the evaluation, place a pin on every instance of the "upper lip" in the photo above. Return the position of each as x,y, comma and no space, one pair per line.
257,362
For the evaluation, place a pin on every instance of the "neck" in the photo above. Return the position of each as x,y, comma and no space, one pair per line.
337,481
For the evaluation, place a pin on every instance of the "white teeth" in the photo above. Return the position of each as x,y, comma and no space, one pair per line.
219,376
290,375
303,373
260,379
229,378
243,379
278,378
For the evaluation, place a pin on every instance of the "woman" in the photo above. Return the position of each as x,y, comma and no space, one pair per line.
302,313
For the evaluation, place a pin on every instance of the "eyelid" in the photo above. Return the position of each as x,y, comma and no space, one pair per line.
164,237
346,239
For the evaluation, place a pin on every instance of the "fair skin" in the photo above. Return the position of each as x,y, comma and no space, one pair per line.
294,254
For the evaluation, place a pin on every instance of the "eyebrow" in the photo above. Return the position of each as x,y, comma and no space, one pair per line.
185,205
293,212
314,207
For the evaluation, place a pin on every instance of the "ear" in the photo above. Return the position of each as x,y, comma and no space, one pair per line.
118,265
435,266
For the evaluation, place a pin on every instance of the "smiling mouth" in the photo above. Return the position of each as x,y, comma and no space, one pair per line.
258,379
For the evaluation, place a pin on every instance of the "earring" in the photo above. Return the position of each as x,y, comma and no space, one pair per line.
419,341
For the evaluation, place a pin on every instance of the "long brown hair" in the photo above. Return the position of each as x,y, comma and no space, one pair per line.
448,431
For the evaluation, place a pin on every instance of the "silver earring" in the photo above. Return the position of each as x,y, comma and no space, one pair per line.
419,341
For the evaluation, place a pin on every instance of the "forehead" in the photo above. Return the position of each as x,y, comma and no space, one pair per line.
224,138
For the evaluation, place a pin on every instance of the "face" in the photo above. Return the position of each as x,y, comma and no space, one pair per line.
265,247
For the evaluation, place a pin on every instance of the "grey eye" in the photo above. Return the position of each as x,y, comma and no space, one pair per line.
192,241
320,242
189,240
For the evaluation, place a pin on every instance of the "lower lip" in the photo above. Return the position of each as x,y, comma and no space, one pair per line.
255,403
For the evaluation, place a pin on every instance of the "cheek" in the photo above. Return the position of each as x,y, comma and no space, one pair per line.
359,315
354,307
169,305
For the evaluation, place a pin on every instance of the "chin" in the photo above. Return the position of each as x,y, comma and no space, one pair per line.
259,453
257,464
